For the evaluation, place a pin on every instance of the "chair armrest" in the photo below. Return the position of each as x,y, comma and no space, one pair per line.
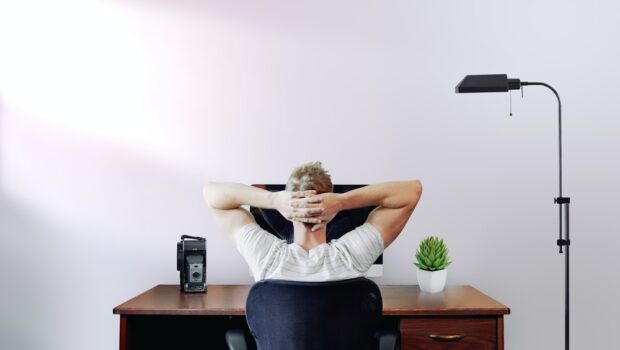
235,339
388,340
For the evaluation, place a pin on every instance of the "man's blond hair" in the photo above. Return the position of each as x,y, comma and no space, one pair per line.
310,176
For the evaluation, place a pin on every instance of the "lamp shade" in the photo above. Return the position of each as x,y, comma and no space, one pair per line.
487,83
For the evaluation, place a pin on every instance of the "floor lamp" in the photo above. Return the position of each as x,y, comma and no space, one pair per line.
501,83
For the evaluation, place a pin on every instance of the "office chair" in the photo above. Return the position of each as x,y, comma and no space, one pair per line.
314,315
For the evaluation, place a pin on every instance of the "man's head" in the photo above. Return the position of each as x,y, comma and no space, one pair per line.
310,176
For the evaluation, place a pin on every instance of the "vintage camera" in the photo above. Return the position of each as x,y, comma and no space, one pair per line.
192,264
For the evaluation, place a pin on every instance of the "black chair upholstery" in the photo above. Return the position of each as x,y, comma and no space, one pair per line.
312,315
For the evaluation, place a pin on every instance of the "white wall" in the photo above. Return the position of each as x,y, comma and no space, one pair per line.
114,113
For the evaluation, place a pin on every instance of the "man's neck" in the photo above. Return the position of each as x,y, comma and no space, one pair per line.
307,239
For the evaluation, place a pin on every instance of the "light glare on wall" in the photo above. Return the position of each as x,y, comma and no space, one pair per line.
77,64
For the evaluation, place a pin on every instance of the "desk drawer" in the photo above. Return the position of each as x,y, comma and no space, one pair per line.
458,333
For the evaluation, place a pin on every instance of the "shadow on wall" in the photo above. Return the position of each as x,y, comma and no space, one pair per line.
24,306
85,225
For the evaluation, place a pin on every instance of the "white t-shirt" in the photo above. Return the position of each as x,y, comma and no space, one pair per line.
269,257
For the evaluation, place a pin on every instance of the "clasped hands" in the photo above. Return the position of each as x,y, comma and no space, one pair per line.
308,207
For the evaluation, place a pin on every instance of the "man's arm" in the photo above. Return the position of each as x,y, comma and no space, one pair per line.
399,201
395,203
226,199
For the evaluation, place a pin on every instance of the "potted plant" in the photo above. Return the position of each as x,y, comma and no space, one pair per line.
432,260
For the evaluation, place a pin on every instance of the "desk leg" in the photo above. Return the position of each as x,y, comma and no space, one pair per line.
500,333
123,338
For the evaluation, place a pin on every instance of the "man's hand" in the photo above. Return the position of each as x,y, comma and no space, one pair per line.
288,204
329,202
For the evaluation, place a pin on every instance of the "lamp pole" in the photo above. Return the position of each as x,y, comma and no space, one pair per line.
501,83
563,203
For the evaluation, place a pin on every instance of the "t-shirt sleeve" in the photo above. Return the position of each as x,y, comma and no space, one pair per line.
257,247
362,246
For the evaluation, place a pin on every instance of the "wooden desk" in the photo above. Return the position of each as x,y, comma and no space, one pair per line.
460,317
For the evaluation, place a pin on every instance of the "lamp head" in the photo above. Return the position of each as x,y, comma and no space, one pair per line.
487,83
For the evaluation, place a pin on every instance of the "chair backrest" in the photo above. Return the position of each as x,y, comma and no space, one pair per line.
314,315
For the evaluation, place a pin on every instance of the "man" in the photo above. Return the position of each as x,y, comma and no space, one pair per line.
310,204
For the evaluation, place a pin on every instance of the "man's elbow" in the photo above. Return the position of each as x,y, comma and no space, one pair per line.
415,192
417,184
208,193
415,188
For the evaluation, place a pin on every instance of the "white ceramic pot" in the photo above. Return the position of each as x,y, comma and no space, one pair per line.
432,281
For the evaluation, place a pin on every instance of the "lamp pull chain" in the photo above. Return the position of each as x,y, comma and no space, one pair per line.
510,97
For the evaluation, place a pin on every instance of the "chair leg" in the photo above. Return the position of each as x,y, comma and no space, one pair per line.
235,339
388,340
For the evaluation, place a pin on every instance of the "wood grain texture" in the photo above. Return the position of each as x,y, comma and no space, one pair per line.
500,333
158,315
123,333
453,300
230,300
223,300
479,333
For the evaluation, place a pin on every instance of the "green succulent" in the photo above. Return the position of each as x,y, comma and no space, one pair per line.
432,255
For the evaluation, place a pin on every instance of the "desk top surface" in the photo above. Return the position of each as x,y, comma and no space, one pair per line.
229,300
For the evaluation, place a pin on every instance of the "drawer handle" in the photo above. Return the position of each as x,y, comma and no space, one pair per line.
446,338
